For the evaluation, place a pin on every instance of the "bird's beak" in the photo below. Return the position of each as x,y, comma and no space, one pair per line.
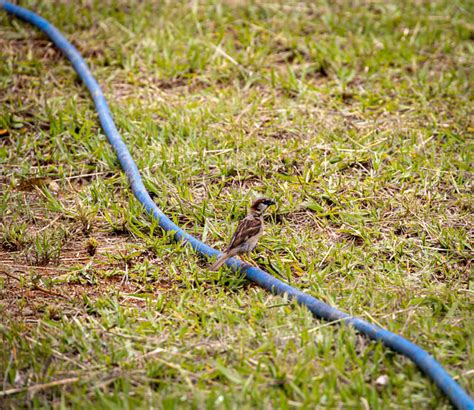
270,202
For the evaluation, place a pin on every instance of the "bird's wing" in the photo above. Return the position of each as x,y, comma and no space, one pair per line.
248,227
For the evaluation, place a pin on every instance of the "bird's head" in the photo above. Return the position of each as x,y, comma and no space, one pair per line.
259,206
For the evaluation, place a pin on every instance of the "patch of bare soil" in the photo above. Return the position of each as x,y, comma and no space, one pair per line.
29,291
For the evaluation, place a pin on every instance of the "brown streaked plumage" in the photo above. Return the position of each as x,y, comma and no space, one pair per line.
247,234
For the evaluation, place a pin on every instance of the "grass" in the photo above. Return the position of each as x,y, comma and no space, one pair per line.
356,118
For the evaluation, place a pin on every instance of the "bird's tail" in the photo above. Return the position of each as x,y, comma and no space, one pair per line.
220,261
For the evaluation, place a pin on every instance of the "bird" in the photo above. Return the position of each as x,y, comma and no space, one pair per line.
248,232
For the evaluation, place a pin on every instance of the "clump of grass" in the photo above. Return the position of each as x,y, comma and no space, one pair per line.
14,236
46,248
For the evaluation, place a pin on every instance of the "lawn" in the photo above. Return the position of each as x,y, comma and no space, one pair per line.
356,117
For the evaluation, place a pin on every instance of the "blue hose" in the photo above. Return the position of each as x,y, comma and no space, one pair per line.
423,360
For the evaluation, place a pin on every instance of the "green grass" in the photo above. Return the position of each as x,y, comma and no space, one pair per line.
356,118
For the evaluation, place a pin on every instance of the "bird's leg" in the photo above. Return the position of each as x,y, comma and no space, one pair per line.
247,259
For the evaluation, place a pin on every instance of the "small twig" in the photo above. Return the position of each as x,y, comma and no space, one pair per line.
218,151
325,256
331,323
152,353
50,224
372,318
81,176
465,374
39,267
220,51
50,292
10,275
37,387
36,287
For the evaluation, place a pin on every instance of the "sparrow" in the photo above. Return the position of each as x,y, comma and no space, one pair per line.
247,234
